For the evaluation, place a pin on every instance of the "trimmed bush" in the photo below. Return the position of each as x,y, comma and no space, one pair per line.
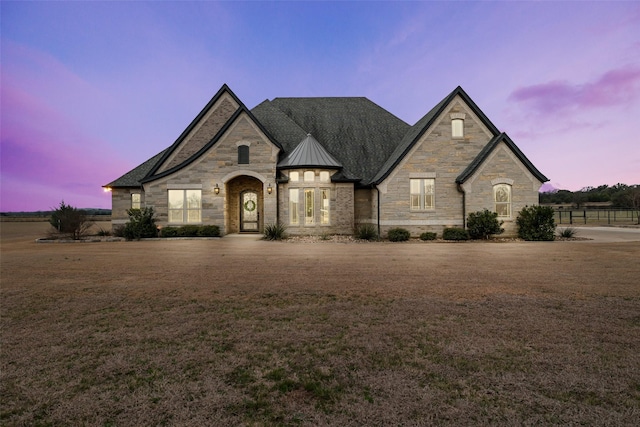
209,231
188,231
536,223
141,224
366,232
70,222
275,232
398,235
455,233
169,232
483,224
428,235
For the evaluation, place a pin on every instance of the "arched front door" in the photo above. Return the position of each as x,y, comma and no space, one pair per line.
249,211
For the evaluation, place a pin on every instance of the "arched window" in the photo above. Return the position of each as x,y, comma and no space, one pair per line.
243,154
502,199
309,176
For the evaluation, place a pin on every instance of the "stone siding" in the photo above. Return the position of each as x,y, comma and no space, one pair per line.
121,203
436,155
203,132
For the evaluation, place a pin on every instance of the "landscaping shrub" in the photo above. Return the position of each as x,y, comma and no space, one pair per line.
118,230
169,232
536,223
567,233
366,232
274,231
141,224
103,233
455,233
209,231
188,231
398,235
428,235
483,224
70,221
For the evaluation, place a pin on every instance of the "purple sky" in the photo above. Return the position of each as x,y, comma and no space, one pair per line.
92,89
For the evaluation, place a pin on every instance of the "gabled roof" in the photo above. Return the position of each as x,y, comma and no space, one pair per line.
152,174
355,130
488,149
134,176
309,153
416,131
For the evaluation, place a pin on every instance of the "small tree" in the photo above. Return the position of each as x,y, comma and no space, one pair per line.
141,224
483,224
536,223
69,221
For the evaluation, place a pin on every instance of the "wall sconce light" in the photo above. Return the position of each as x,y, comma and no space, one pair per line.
269,189
216,189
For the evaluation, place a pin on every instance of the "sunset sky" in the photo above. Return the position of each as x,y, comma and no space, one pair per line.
90,90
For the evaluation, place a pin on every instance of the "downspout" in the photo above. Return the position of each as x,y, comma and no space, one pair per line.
464,205
378,218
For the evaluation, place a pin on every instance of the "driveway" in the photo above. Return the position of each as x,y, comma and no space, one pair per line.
609,234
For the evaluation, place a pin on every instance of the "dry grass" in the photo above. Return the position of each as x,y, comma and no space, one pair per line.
241,332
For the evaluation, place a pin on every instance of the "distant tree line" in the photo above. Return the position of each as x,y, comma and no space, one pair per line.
620,196
86,211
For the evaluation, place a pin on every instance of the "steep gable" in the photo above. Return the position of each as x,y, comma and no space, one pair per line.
489,148
415,132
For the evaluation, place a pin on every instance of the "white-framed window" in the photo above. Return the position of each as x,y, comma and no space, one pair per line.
309,210
294,200
502,199
185,206
243,154
309,176
324,176
136,201
294,176
457,128
324,208
422,193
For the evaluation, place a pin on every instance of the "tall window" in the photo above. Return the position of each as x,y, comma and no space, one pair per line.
502,198
422,193
185,206
309,176
309,212
136,202
457,128
243,154
324,209
293,206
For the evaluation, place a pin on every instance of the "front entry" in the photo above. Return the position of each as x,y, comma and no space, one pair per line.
249,212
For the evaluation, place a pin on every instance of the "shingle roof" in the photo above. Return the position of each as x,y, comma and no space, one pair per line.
416,131
309,153
134,176
487,149
358,132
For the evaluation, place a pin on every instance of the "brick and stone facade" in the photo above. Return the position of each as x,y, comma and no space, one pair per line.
206,159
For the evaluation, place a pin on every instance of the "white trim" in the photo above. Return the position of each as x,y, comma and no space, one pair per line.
431,175
497,181
234,174
184,186
119,221
460,116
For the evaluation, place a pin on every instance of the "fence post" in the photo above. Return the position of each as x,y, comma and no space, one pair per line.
585,216
614,216
570,217
609,217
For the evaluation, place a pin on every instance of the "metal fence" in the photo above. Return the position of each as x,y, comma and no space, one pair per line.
596,216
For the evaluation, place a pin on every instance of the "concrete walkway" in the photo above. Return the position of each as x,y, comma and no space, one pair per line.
608,234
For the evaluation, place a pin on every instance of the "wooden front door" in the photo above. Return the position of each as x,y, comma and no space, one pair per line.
249,211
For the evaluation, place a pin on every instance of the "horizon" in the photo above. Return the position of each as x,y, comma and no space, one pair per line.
91,90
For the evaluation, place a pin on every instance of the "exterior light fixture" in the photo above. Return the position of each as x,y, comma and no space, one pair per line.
216,189
269,189
107,189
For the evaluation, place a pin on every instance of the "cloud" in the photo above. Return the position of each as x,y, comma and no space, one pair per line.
617,87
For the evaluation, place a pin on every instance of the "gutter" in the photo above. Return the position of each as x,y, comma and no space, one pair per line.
378,216
464,206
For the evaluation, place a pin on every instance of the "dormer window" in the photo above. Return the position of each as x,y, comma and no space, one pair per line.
457,125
